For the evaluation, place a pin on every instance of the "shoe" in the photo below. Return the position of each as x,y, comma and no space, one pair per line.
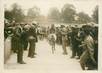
72,57
35,53
22,62
78,58
32,57
64,53
25,49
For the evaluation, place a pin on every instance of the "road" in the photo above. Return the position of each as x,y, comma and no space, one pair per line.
45,61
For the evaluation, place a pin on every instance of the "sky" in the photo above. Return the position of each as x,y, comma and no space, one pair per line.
86,6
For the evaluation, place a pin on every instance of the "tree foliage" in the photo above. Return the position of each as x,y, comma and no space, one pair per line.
95,15
67,13
33,12
54,14
8,15
15,14
83,18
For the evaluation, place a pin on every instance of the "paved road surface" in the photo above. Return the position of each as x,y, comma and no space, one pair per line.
45,61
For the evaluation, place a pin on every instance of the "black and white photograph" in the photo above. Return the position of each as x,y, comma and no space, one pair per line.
51,36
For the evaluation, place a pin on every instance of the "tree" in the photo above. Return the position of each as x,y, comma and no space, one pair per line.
54,14
83,18
33,13
8,15
15,14
67,13
95,15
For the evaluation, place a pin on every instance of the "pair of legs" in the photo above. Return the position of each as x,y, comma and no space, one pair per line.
25,45
76,51
31,51
20,56
64,49
20,53
53,48
83,59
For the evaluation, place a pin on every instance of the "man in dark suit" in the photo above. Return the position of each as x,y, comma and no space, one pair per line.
32,39
18,43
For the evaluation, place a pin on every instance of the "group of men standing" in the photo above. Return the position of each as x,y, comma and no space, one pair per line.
22,34
82,40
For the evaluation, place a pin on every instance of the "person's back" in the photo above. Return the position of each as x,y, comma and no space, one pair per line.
32,39
89,43
52,40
